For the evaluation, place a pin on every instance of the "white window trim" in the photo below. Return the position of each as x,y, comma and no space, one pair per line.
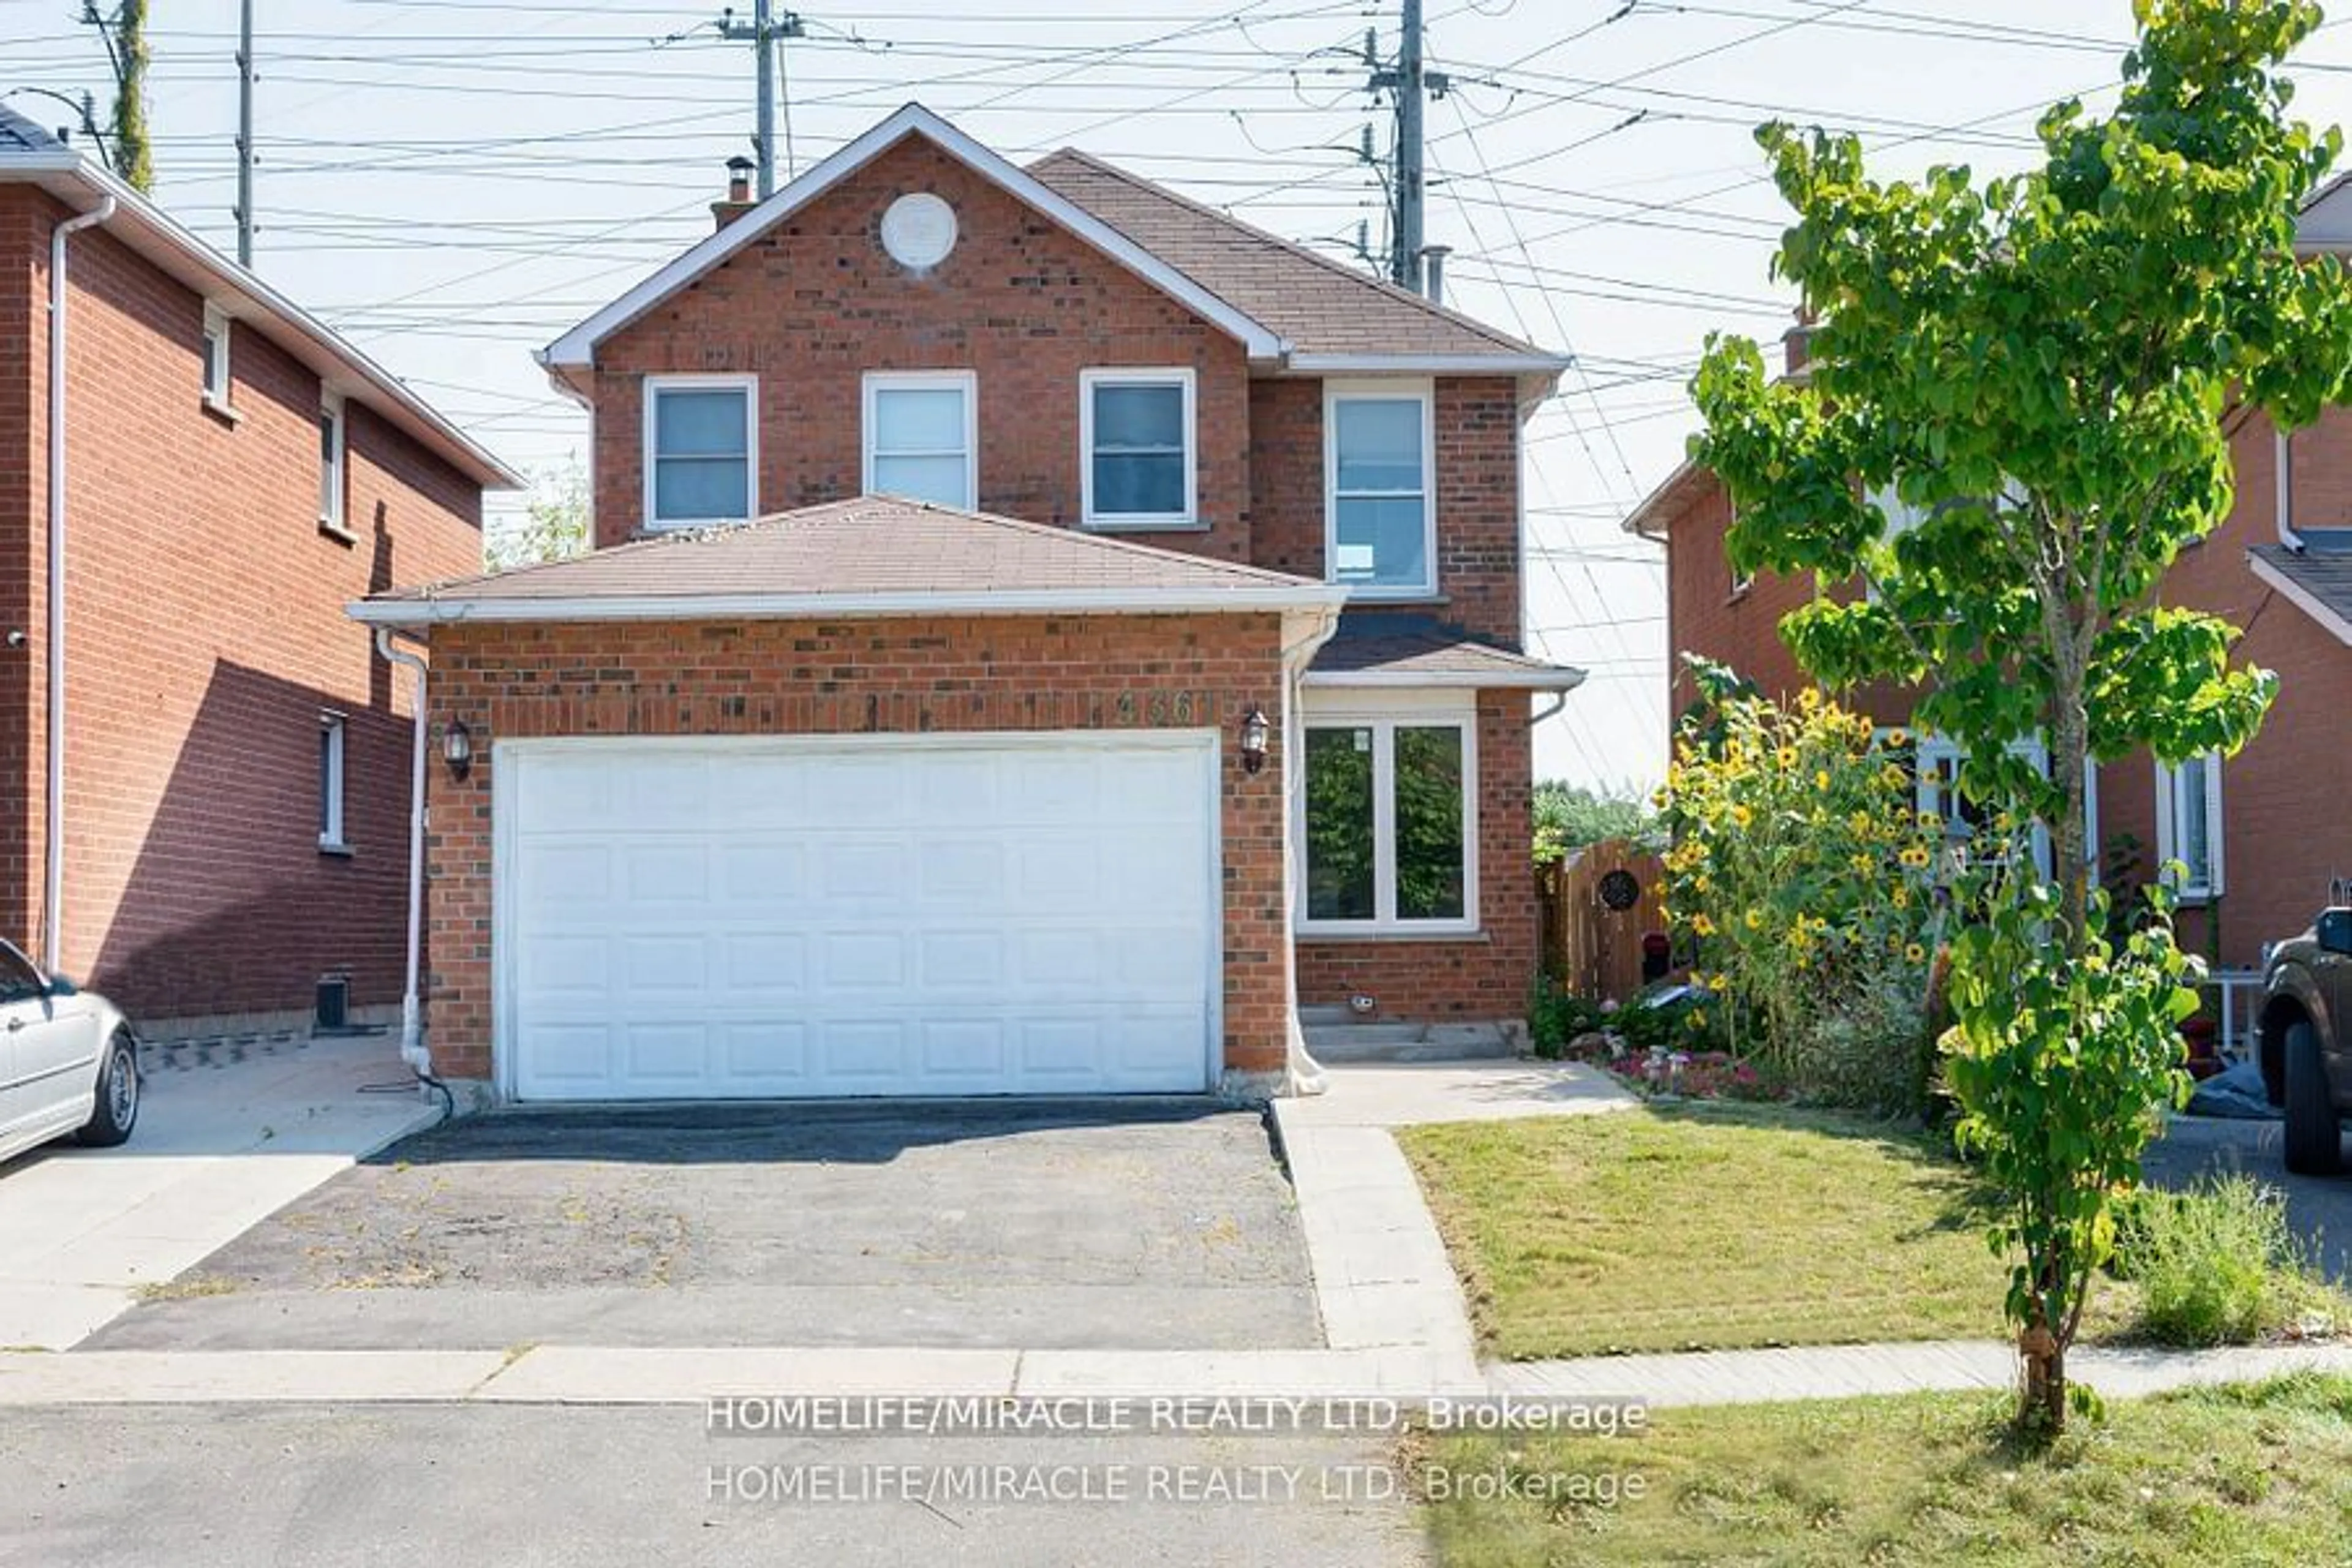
1338,392
1928,796
332,833
218,324
1137,522
965,380
334,477
653,387
1383,718
2168,831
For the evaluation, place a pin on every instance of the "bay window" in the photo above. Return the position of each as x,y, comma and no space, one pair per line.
1389,823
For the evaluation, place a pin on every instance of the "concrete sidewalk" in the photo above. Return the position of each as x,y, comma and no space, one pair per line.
219,1146
603,1375
1383,1280
1842,1372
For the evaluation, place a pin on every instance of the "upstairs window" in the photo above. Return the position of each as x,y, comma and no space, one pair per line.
1381,530
2188,826
216,357
331,783
702,447
1136,437
331,464
920,437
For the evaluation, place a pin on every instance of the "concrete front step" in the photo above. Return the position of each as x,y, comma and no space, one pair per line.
1353,1042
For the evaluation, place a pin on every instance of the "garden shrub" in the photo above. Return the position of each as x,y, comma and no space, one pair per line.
2216,1264
1803,873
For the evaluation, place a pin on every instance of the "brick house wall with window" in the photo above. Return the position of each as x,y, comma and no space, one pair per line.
212,541
2262,845
1090,351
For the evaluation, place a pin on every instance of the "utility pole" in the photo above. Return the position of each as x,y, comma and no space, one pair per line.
765,32
1409,83
245,134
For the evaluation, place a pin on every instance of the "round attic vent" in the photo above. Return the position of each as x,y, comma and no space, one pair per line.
919,230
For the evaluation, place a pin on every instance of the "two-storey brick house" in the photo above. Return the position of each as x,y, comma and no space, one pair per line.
1041,631
195,477
2259,836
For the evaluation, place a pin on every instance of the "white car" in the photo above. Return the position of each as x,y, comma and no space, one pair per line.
69,1061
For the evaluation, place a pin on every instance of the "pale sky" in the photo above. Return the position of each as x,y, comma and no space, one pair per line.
452,183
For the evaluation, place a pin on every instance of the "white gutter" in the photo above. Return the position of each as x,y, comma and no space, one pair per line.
53,835
1563,680
2283,510
1301,1073
1502,362
412,1032
2301,598
832,607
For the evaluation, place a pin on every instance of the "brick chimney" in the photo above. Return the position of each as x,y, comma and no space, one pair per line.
738,191
1797,342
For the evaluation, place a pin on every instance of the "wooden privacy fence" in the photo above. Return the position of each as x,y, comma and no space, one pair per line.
1592,947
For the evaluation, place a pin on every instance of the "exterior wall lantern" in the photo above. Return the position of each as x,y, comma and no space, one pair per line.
1253,741
457,749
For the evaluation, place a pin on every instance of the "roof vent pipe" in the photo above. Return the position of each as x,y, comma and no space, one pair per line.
1433,272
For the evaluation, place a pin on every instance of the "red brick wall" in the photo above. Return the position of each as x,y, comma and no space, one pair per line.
1478,562
2280,842
898,677
1467,980
814,303
25,218
1738,627
2285,831
206,634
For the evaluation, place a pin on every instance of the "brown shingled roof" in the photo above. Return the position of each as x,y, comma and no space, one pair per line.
871,554
1398,650
1320,306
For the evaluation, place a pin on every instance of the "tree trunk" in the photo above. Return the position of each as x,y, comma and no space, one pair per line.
2043,1407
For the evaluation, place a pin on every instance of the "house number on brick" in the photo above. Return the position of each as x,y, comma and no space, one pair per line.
919,230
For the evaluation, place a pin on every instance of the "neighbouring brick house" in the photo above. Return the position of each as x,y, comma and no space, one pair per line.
233,760
2263,836
1166,675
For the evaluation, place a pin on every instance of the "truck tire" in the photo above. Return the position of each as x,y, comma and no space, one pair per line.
2314,1143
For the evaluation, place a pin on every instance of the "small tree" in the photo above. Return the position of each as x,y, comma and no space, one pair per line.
2037,368
553,526
1569,816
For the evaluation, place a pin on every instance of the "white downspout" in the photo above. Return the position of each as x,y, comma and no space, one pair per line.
1302,1074
53,835
412,1034
2284,508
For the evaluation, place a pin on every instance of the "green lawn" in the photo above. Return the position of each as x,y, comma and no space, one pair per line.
2250,1475
1710,1226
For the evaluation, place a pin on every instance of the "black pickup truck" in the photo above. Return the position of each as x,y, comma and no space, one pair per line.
2307,1040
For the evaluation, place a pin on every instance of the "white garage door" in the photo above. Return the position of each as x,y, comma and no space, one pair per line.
866,916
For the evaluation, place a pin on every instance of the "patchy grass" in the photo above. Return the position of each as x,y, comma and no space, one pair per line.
2250,1474
2218,1264
1718,1226
187,1289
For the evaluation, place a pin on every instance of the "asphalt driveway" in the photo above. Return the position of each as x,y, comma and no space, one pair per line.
1155,1224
